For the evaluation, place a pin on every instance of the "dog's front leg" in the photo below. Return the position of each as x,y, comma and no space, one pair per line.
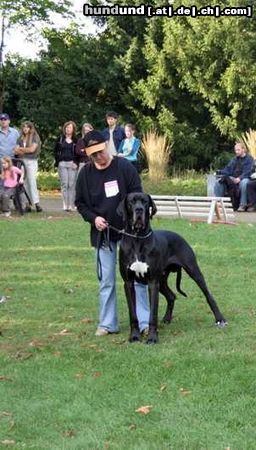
131,301
153,290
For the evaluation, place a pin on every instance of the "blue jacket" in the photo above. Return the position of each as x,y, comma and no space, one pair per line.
118,135
133,156
238,167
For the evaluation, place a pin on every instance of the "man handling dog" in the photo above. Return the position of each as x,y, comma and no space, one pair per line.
102,184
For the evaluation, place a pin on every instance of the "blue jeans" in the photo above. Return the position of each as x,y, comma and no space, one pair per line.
220,190
108,318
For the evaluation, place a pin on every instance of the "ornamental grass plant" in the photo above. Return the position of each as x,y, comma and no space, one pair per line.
157,150
249,138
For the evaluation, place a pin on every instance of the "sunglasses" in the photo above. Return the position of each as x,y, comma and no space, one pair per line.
4,119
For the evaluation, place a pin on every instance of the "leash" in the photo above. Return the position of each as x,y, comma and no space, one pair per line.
124,233
107,241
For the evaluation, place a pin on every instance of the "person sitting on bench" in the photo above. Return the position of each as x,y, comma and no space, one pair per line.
235,177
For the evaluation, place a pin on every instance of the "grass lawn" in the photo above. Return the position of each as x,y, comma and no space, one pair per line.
63,388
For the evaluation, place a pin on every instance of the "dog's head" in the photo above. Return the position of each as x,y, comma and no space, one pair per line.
137,209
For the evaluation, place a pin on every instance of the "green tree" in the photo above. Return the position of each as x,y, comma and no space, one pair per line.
26,13
193,78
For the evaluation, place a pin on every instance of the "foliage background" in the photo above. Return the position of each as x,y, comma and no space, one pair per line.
192,79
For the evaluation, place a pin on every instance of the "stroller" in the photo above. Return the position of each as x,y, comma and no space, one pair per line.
20,195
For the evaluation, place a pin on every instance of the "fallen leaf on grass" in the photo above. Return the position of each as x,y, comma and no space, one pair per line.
144,409
54,217
132,427
64,332
163,387
8,442
86,345
56,354
23,356
5,414
4,378
86,320
168,364
35,343
97,374
185,391
69,433
79,376
12,425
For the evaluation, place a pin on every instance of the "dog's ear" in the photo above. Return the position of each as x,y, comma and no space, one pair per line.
153,207
122,209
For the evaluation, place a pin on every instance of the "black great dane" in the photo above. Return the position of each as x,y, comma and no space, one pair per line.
148,257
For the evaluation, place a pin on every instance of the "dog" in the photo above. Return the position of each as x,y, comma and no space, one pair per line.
148,257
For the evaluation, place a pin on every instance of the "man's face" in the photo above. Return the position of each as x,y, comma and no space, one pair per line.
101,159
5,123
111,121
239,150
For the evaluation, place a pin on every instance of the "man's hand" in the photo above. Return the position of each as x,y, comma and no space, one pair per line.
236,180
100,223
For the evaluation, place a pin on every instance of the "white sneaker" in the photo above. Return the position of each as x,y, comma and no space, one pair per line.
101,332
7,214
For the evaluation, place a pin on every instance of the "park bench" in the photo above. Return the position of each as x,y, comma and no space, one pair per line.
208,208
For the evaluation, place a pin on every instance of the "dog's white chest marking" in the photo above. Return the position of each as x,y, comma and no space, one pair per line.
139,267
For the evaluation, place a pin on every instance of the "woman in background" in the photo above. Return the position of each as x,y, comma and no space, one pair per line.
67,163
129,147
28,149
80,146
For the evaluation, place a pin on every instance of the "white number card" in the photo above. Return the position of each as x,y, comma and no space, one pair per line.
111,188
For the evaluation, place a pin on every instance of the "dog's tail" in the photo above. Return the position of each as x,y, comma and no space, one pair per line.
178,281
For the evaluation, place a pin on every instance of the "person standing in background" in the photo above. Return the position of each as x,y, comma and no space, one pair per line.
80,146
67,163
114,134
129,147
8,137
28,149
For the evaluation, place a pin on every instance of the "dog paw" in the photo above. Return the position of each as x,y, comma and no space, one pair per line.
221,323
166,319
135,337
152,340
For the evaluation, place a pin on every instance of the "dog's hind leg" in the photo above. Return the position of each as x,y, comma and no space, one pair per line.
195,273
131,301
170,299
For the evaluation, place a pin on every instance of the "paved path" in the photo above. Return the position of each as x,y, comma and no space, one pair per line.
53,205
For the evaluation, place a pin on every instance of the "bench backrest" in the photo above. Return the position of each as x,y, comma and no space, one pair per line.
210,208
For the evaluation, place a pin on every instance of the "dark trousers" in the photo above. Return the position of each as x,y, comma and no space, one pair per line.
5,195
251,192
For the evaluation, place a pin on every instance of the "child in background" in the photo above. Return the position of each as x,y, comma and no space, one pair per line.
130,146
9,176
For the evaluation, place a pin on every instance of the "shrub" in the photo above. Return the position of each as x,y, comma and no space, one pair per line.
48,181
